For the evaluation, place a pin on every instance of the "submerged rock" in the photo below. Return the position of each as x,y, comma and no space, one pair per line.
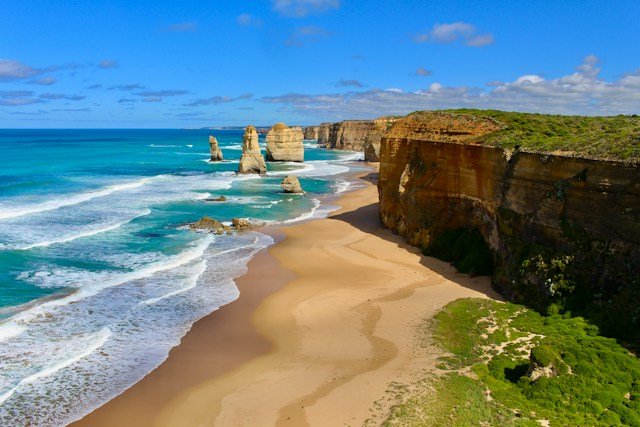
251,160
208,223
214,149
291,184
216,199
241,224
284,144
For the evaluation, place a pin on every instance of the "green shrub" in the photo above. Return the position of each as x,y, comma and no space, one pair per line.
466,248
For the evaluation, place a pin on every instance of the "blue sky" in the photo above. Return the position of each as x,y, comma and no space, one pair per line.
233,62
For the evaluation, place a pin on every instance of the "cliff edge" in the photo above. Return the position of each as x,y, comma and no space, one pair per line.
562,226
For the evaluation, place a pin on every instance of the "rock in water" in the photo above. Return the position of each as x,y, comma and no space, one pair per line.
216,153
284,144
290,184
241,224
207,223
251,160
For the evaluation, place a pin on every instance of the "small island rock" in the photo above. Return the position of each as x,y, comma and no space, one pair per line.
208,223
291,184
214,149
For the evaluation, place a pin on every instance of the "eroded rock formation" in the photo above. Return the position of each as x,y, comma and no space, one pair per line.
251,160
354,135
298,133
311,132
216,152
211,224
284,144
291,184
559,227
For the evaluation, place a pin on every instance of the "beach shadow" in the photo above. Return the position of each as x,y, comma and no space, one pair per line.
367,220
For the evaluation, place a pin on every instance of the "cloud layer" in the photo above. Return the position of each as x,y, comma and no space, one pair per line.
455,32
582,92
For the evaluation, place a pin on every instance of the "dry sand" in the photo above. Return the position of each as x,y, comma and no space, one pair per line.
327,319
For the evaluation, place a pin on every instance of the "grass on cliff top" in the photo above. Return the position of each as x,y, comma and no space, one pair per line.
614,137
487,378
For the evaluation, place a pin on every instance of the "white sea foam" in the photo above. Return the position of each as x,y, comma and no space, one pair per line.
191,283
9,330
87,233
341,186
96,341
306,215
68,200
100,282
162,146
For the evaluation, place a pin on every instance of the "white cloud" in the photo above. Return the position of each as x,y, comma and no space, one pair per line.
43,81
15,70
300,8
582,92
462,32
105,64
423,72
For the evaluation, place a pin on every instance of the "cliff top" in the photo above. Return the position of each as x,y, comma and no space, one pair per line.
614,138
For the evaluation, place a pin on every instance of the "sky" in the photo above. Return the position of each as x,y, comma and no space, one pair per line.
211,63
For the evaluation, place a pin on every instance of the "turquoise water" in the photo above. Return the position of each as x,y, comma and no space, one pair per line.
99,277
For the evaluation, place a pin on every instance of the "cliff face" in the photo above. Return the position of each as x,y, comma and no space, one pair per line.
284,144
560,228
353,135
311,132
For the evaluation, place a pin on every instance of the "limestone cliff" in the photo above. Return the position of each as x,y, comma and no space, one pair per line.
324,130
251,160
298,133
214,149
284,144
354,135
311,132
561,229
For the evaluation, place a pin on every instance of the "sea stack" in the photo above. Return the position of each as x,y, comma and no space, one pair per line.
298,133
291,184
284,144
311,132
251,160
216,153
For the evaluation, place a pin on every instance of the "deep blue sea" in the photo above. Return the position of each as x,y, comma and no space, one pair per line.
100,277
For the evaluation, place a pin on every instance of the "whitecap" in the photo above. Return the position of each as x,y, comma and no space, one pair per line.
69,200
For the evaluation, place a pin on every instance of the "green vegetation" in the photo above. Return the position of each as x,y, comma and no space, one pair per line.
465,248
511,366
616,137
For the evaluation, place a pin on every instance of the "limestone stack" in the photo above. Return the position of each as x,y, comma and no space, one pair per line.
291,184
284,144
298,132
214,149
311,132
251,160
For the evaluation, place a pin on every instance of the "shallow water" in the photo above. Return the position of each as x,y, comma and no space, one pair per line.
99,277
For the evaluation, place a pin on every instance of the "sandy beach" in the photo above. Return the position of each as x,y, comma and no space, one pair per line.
326,320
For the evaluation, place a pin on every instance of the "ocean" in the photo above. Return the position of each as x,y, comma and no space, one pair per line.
100,276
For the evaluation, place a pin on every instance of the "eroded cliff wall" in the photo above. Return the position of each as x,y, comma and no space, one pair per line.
353,135
562,229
